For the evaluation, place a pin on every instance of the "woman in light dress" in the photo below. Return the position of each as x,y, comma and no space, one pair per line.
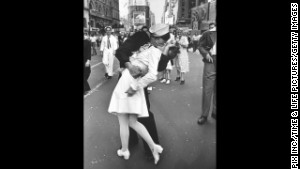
182,61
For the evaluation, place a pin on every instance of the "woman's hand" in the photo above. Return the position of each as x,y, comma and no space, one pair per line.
209,58
120,70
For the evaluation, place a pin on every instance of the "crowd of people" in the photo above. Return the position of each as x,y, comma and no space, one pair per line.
144,56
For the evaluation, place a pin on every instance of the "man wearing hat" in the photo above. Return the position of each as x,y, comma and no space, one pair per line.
108,48
158,38
207,48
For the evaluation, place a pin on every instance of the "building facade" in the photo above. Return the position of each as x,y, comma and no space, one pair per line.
184,13
85,13
169,15
203,14
139,13
104,13
152,18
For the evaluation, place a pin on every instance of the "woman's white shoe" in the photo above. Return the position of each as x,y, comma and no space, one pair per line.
125,154
163,81
157,149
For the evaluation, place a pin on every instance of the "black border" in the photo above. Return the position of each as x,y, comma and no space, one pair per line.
50,85
253,84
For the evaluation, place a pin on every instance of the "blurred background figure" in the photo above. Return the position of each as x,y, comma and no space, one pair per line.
94,44
86,63
98,40
182,61
121,38
189,37
109,45
196,37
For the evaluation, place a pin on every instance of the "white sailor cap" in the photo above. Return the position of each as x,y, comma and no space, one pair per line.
108,28
159,29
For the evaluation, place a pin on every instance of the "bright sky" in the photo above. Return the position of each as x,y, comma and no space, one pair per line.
156,6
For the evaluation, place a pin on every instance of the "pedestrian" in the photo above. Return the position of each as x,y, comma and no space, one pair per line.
98,40
207,48
86,61
195,39
86,36
182,61
94,44
108,49
131,33
121,38
189,37
166,74
136,100
125,38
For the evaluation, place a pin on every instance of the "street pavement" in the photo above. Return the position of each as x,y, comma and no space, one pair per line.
176,109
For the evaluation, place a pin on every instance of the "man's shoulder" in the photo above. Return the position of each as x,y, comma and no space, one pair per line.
206,33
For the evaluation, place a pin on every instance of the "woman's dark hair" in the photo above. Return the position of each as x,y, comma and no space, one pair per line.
173,52
166,37
163,62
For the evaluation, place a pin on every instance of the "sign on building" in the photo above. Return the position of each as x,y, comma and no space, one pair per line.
139,17
137,3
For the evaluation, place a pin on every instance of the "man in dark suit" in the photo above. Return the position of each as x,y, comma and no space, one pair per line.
86,63
123,53
207,48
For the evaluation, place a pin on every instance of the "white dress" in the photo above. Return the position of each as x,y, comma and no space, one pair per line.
147,61
182,60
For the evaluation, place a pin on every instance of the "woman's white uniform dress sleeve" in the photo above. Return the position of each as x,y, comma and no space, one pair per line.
120,102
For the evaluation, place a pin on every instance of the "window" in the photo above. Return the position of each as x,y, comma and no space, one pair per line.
193,3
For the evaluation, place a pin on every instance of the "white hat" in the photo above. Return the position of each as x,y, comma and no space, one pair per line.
108,28
159,29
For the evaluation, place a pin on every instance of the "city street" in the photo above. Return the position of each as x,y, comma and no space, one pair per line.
176,109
